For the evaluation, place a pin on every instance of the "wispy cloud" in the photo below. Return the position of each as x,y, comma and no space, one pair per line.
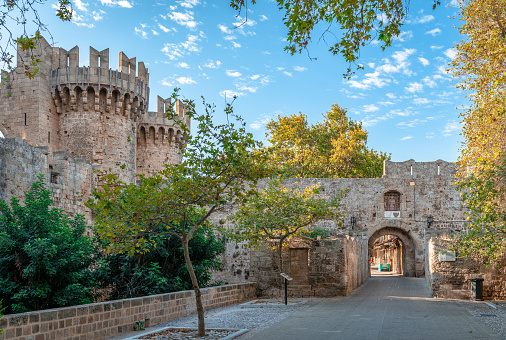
434,32
424,61
299,68
425,19
188,3
451,53
230,94
233,73
451,127
183,65
414,87
406,138
184,19
175,51
120,3
370,108
185,80
212,64
263,18
289,74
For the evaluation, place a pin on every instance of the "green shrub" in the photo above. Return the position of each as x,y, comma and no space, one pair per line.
45,258
162,269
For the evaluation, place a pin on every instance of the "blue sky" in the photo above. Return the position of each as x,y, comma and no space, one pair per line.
404,97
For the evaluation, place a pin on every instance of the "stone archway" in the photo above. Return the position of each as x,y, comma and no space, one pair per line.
408,253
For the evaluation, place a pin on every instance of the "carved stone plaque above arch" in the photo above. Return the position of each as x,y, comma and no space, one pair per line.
392,204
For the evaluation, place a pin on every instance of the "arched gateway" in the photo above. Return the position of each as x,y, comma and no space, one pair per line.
405,258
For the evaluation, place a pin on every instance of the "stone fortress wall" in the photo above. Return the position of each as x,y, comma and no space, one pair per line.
76,123
422,188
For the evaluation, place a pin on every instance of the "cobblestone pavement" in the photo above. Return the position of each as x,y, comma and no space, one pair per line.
387,306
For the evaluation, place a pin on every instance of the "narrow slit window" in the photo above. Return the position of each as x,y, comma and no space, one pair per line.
411,170
25,120
49,137
438,170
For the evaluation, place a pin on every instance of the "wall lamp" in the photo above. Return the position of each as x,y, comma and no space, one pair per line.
430,220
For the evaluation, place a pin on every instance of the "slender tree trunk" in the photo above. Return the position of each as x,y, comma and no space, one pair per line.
195,284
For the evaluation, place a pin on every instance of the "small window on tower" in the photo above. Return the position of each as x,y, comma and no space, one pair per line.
25,119
49,137
54,177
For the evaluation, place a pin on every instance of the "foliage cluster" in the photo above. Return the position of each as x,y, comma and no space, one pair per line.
479,65
333,148
218,169
279,213
46,261
350,24
45,258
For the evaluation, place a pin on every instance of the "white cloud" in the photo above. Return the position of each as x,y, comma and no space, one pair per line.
406,138
141,32
425,18
188,3
289,74
247,88
421,101
424,61
84,24
185,81
175,51
184,19
430,135
435,47
370,108
429,82
97,15
230,94
121,3
451,53
255,77
404,36
236,45
81,5
299,68
163,28
263,18
414,87
266,52
233,73
225,29
183,65
450,127
212,64
280,68
371,65
391,96
386,103
434,32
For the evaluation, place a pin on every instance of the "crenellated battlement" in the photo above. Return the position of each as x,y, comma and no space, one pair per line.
413,169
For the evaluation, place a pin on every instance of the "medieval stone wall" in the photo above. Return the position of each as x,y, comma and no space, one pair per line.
70,180
449,277
421,188
326,267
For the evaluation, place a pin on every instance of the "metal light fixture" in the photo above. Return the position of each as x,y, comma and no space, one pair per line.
430,220
353,222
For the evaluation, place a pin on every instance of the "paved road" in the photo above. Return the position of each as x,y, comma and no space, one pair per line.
385,307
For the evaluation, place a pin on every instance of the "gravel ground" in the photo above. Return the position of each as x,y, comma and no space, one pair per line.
243,317
495,318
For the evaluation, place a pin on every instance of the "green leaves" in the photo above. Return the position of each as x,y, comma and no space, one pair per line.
43,254
333,148
347,25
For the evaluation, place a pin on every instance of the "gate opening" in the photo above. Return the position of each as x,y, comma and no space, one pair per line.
386,254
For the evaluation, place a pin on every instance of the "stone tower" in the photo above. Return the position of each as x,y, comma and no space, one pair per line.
90,112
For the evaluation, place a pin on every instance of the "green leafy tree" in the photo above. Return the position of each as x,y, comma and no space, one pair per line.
162,269
359,23
1,315
333,148
24,13
278,214
479,65
45,258
217,169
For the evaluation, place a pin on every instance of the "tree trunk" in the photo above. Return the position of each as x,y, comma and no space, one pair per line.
195,284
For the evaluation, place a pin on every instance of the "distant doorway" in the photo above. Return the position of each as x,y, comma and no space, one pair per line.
392,250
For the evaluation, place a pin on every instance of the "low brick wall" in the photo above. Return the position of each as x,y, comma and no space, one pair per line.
101,320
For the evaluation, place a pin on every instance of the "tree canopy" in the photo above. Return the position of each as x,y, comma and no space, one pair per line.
45,256
479,65
359,23
217,169
279,213
333,148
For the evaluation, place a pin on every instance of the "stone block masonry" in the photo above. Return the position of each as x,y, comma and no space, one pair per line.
102,320
450,279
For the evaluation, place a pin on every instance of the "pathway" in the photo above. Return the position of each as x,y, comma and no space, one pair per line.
387,306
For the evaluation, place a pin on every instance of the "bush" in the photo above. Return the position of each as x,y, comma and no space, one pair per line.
45,258
162,269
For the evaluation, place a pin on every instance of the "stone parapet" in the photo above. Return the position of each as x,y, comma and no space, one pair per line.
102,320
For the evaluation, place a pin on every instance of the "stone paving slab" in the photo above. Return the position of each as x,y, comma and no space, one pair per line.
385,307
